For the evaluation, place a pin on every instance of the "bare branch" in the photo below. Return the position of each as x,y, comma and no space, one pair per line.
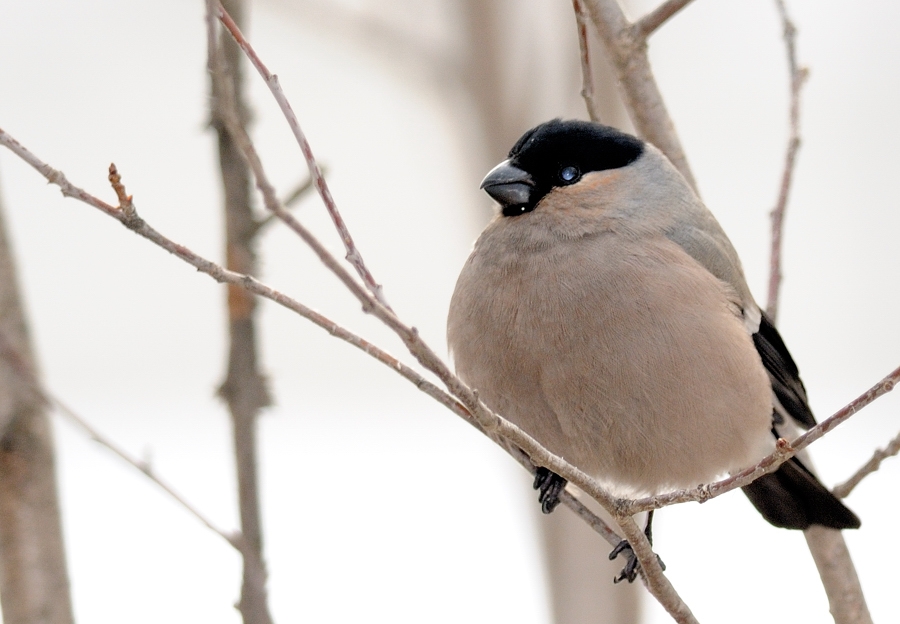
27,377
294,196
652,573
466,403
587,71
651,22
627,48
34,581
302,189
784,451
233,538
843,490
353,255
798,76
492,424
590,518
244,388
221,275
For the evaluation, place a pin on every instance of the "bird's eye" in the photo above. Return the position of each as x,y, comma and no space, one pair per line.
569,174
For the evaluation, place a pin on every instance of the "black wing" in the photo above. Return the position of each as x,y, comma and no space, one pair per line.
792,497
783,373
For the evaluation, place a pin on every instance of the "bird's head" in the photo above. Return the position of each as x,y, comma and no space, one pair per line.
556,155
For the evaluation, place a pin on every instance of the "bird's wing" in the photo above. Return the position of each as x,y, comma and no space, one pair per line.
786,383
700,235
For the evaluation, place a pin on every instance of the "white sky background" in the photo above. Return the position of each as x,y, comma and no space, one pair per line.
378,504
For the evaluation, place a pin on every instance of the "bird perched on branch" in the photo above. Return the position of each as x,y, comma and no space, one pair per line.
605,312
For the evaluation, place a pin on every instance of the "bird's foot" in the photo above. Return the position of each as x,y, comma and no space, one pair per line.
632,565
550,485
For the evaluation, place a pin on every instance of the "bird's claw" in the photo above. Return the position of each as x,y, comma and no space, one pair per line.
550,486
632,565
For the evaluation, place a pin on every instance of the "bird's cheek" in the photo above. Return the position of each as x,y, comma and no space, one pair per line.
601,181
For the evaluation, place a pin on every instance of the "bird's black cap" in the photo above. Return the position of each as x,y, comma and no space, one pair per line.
558,153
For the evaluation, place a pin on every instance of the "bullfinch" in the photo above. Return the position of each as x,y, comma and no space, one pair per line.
605,312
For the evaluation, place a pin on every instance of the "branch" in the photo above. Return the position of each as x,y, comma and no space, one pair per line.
496,427
244,388
302,189
34,580
827,546
843,490
235,538
353,255
626,44
464,402
587,71
798,76
652,573
132,221
28,378
651,22
783,451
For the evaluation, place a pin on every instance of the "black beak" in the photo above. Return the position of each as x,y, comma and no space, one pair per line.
509,185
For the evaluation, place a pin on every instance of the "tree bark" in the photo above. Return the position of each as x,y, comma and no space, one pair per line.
34,582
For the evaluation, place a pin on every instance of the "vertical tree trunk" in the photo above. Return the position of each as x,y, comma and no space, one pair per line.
34,583
244,388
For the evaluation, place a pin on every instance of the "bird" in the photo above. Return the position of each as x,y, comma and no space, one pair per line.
605,312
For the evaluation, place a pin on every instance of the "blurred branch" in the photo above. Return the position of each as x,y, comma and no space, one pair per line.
626,44
648,24
302,189
587,71
465,403
244,388
131,220
235,539
27,379
843,490
34,581
827,546
798,76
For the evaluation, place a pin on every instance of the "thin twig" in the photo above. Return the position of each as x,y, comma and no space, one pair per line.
353,255
294,196
843,490
301,190
493,425
464,402
827,546
651,22
27,377
798,77
234,538
784,450
590,518
587,71
221,275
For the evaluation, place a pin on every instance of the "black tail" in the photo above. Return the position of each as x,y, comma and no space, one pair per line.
792,498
